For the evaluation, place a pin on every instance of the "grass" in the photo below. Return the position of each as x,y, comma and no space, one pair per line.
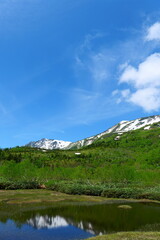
40,196
129,236
48,196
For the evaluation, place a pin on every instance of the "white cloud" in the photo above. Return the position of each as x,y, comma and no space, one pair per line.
153,32
147,98
145,79
146,75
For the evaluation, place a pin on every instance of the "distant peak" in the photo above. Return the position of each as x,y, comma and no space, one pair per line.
49,144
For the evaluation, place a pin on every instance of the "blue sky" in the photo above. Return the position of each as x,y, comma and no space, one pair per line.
71,69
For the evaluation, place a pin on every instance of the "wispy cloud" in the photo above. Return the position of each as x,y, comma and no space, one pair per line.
92,60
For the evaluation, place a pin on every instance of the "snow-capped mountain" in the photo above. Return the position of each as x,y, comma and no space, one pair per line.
45,143
124,126
120,128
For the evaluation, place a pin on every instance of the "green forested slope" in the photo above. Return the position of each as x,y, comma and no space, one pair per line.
131,162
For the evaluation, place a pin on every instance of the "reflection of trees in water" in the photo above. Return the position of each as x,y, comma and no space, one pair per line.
96,219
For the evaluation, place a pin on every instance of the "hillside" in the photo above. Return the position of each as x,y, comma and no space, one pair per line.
127,166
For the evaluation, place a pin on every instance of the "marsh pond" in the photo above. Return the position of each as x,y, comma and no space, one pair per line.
75,220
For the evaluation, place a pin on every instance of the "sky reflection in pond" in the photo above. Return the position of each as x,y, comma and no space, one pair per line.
75,221
10,231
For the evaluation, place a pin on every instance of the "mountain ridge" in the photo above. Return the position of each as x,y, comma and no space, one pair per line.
120,128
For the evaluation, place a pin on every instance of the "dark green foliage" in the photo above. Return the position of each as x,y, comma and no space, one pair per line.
105,190
19,185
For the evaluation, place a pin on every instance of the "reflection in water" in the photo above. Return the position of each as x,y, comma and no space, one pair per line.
47,222
74,221
99,218
39,222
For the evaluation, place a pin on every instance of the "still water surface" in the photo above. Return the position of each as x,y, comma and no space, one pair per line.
75,221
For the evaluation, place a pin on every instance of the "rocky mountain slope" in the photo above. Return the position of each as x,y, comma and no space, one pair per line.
124,126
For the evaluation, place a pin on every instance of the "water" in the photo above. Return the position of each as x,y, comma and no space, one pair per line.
75,221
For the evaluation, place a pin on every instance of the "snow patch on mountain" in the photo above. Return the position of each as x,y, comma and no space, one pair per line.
45,143
120,128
